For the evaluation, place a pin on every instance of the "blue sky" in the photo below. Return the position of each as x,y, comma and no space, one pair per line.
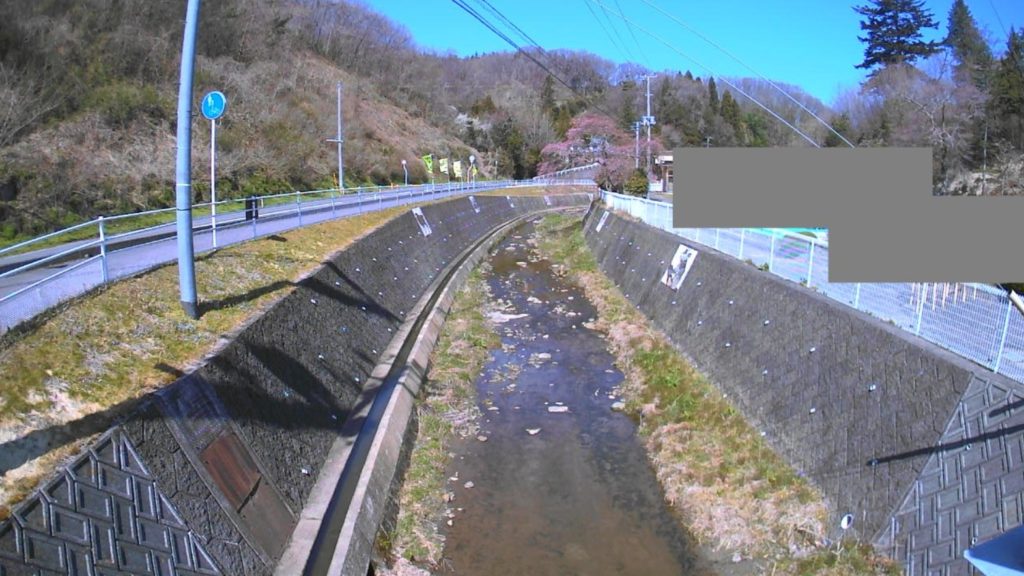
810,43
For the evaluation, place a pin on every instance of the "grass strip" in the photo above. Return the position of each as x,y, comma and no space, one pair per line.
729,488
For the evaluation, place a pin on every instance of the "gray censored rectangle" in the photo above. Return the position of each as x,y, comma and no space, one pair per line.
884,223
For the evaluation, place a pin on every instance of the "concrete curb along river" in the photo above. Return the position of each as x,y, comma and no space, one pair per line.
364,485
225,471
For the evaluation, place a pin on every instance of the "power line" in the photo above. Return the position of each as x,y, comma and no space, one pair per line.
744,64
619,36
998,19
723,79
630,29
490,26
605,29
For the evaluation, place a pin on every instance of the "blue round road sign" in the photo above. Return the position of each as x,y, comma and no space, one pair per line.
214,105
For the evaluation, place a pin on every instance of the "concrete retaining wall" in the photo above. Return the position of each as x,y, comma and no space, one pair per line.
923,448
209,475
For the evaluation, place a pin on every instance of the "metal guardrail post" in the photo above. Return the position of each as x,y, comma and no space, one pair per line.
743,237
717,234
810,265
254,204
298,206
333,215
103,250
856,296
920,309
771,254
1002,339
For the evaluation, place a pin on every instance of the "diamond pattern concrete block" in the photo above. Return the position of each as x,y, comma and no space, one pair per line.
107,450
130,461
103,551
33,514
79,560
134,559
145,498
45,552
169,515
181,550
203,563
152,535
124,520
10,541
67,525
92,502
115,481
83,470
59,491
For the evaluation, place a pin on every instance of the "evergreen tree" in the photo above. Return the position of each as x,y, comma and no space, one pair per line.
731,113
1006,98
894,32
841,124
547,96
973,55
712,96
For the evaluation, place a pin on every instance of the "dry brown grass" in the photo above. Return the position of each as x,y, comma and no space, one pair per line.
120,342
730,489
446,410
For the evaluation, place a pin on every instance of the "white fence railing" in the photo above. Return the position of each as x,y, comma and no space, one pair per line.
976,321
40,273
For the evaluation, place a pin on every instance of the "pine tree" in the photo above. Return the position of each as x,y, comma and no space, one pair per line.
1006,98
731,113
894,32
713,96
973,55
841,124
547,96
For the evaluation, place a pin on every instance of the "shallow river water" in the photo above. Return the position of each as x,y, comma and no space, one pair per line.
558,482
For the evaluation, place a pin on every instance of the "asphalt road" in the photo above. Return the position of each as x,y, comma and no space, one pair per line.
153,247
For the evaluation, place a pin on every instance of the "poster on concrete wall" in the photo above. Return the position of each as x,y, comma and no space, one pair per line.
476,207
422,221
679,267
600,223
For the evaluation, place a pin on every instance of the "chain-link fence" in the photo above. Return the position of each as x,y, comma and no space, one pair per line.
976,321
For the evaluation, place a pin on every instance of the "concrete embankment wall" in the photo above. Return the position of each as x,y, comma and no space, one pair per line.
209,475
923,448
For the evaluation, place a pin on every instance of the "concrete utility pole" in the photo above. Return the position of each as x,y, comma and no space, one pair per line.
183,167
636,153
339,140
649,120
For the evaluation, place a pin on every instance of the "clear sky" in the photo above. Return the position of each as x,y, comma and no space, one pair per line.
810,43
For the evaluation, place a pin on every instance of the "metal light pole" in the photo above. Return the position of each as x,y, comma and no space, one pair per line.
183,166
406,170
636,154
339,140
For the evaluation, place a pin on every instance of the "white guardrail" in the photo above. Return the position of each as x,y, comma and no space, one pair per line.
976,321
40,273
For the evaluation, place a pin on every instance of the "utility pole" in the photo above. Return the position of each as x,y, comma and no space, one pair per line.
636,153
649,120
339,140
707,141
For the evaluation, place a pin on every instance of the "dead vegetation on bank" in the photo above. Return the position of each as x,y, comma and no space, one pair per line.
447,409
730,489
82,364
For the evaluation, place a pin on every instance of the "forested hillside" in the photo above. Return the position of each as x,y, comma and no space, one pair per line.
88,93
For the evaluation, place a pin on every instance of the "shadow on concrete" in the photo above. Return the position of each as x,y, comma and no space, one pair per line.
945,447
1004,409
